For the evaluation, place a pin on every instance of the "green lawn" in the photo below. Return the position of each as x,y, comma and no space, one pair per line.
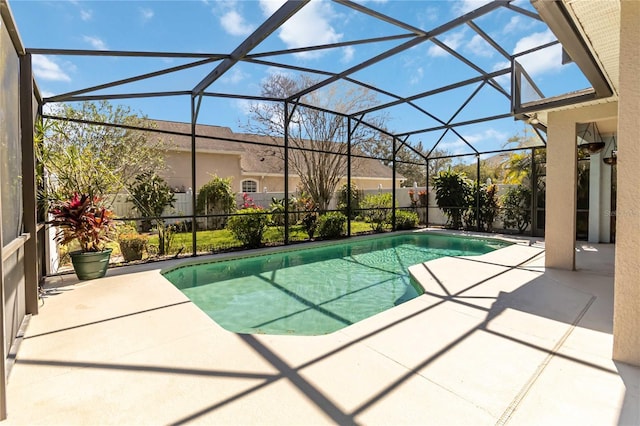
222,239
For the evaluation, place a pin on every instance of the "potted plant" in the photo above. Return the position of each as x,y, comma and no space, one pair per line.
82,219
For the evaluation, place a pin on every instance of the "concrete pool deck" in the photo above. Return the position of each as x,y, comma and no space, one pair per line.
496,339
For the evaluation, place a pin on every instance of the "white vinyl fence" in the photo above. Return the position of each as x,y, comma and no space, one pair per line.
183,204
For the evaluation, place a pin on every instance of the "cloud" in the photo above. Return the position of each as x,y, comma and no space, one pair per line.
234,24
45,68
465,6
310,26
454,146
146,14
234,76
479,47
86,15
348,53
486,135
242,105
95,42
513,24
453,40
517,24
417,76
542,61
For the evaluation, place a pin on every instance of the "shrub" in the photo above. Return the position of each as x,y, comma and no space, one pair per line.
310,216
248,226
453,190
406,219
332,225
126,227
216,197
343,197
377,210
150,194
277,208
132,246
488,207
516,205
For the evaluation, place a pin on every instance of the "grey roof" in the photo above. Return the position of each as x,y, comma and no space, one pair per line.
254,158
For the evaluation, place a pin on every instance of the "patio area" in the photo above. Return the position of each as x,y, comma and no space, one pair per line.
496,339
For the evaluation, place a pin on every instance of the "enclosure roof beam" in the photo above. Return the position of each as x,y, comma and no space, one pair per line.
328,46
288,67
360,8
246,97
459,124
466,102
407,45
433,148
125,53
120,96
462,138
470,64
69,95
494,151
524,12
489,40
438,90
279,17
392,95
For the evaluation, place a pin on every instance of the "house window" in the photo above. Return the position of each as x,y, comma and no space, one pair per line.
249,186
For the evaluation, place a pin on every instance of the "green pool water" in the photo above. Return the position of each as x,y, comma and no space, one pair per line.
317,290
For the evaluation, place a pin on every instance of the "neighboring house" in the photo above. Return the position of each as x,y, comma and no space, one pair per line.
251,167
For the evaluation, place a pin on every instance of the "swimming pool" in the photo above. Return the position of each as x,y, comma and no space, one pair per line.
316,290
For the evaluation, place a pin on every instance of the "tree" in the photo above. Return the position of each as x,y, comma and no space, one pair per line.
325,133
517,166
95,159
453,191
409,163
488,170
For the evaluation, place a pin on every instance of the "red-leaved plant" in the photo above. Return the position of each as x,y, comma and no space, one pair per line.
81,218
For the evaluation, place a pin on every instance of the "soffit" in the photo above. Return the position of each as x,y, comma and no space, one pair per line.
599,24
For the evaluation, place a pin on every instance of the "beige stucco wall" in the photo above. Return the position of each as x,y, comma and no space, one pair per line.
626,318
560,215
177,172
276,183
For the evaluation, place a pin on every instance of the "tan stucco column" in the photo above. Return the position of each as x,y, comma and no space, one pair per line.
561,195
560,205
626,315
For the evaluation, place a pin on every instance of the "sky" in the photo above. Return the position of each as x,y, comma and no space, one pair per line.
218,27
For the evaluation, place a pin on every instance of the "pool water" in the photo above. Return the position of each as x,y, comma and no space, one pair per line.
316,290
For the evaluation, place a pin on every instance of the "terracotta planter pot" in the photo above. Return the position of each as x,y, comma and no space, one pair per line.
90,265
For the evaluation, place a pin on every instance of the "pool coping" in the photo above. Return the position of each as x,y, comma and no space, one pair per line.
221,257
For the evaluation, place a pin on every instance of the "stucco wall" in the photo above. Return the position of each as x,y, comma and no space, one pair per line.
626,317
177,173
178,169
